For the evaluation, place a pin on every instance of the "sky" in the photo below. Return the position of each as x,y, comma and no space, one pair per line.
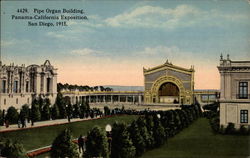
121,37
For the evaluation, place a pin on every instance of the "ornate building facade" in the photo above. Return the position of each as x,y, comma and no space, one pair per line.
234,92
19,85
168,83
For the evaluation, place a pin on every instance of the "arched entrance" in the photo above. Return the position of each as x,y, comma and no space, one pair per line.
169,93
165,88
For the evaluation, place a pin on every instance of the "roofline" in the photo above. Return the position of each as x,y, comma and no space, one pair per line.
170,65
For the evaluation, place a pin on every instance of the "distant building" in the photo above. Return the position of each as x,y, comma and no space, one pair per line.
234,92
19,85
168,84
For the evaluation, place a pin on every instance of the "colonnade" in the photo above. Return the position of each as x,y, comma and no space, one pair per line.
106,98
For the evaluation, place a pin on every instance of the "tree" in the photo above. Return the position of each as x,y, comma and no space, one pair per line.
158,132
63,146
106,110
55,112
97,143
1,117
41,103
122,146
12,115
150,128
76,110
83,111
137,138
35,113
12,149
24,111
46,112
60,102
148,138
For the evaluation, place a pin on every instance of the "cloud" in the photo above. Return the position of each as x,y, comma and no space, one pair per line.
85,52
56,35
6,43
181,16
14,42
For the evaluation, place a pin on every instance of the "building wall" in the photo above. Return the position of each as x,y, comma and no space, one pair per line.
231,112
19,85
232,73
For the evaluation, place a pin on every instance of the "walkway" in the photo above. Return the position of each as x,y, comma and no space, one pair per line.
42,124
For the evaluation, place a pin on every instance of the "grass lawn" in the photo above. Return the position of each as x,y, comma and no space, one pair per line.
198,141
39,137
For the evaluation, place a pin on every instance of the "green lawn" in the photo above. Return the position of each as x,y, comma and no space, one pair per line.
198,141
39,137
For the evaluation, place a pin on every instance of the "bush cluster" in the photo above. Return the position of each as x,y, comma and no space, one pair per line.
150,130
41,110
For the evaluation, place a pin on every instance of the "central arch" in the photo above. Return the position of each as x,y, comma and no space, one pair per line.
169,93
160,86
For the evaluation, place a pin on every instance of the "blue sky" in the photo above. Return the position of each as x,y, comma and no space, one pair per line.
121,37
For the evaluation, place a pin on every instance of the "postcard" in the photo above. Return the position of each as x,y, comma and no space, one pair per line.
123,78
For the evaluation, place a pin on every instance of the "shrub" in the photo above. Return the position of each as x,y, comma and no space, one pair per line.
158,132
230,129
12,149
35,113
122,146
1,117
222,129
12,115
46,112
137,138
148,138
25,111
55,112
63,146
215,124
97,143
76,110
106,111
243,130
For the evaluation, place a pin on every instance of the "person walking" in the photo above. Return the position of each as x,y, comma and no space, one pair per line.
81,143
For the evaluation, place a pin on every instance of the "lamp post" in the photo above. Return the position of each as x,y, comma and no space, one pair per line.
159,116
108,129
67,110
50,112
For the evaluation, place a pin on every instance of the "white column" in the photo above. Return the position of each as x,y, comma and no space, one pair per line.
222,88
104,99
139,99
89,98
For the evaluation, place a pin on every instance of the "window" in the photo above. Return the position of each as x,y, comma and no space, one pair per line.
48,84
28,100
4,86
42,82
243,116
4,101
15,86
243,90
27,86
16,100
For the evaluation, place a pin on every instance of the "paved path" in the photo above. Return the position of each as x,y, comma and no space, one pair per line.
41,124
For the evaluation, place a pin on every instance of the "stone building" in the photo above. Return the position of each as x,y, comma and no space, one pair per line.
169,84
234,92
19,85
